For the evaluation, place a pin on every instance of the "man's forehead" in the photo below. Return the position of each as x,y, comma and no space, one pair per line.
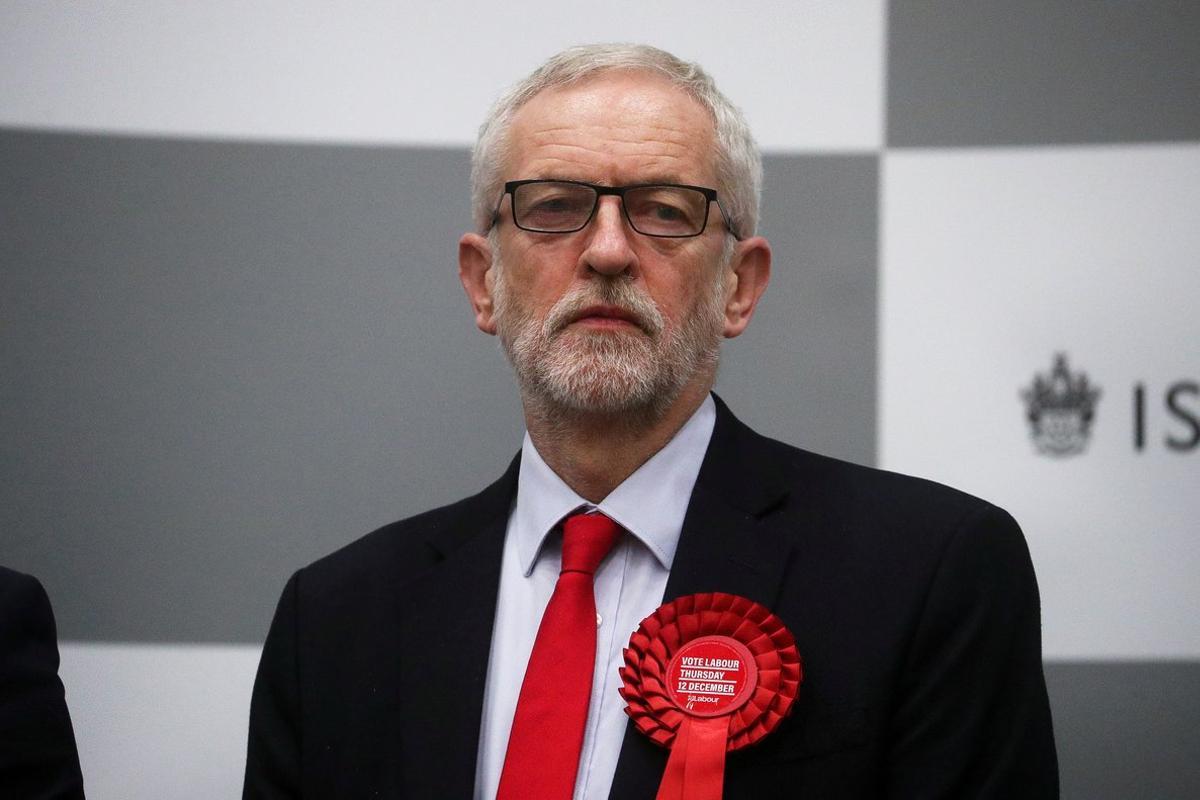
640,118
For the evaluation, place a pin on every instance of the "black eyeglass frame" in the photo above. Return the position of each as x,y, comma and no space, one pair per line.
710,195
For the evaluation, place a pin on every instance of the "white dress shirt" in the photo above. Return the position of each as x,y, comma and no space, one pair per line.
650,505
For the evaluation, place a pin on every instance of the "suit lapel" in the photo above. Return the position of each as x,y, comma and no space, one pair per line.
730,543
441,687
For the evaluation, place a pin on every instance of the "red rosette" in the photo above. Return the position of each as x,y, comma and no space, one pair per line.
703,665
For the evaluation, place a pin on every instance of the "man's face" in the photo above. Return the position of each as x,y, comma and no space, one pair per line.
606,319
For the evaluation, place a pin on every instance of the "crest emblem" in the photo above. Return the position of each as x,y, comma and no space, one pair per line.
1060,407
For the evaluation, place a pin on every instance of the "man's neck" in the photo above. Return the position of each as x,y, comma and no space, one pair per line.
593,453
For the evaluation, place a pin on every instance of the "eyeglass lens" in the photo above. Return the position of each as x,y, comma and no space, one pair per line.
553,207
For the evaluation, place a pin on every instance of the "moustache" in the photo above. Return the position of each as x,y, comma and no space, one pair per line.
641,309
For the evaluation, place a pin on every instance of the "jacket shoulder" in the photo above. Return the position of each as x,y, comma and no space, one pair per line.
884,491
879,507
744,454
23,599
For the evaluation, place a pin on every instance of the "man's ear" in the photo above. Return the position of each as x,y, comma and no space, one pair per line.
474,270
751,268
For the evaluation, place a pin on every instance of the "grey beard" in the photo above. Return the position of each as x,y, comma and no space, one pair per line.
632,375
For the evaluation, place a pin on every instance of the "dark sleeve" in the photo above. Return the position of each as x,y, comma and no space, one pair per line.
273,749
973,720
38,759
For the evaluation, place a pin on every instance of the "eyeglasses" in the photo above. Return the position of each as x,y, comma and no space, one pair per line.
668,210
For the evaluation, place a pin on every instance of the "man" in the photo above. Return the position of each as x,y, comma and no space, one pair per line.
38,759
616,200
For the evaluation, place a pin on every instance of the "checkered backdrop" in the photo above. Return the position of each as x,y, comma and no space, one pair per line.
233,338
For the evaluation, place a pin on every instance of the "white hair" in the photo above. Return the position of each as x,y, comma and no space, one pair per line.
738,163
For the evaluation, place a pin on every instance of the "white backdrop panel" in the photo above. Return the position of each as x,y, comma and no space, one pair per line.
160,722
808,74
992,261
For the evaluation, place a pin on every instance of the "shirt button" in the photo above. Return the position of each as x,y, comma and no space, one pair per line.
598,619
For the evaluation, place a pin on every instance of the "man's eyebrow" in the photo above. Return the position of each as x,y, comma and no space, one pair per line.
555,176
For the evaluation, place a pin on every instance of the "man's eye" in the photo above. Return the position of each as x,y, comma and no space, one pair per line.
553,204
557,204
668,213
661,214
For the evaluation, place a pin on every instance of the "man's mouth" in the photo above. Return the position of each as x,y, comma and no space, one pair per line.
605,317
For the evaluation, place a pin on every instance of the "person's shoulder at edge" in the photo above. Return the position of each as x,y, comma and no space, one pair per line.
26,619
38,756
18,587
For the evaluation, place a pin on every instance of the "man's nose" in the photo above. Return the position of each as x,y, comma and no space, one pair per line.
609,247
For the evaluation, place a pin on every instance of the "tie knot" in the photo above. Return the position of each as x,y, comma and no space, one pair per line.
587,538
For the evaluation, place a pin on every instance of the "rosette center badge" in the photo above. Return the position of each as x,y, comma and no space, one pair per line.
711,676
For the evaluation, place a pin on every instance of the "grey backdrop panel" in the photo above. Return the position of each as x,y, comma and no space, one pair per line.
224,360
1127,730
1042,72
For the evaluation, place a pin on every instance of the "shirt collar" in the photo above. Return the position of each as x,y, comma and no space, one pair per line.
650,503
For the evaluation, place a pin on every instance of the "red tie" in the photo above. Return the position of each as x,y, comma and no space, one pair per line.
547,729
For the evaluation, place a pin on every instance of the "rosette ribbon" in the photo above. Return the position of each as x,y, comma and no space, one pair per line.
704,675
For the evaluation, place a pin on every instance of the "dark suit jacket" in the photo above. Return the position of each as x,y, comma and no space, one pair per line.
38,760
914,607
